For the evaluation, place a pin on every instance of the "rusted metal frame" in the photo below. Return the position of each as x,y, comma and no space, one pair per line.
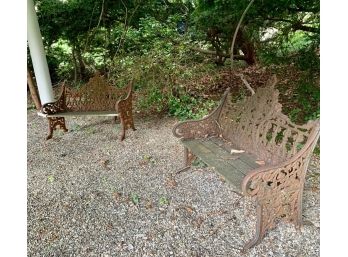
125,110
211,118
279,201
274,201
201,128
310,144
187,161
53,108
75,100
189,157
247,124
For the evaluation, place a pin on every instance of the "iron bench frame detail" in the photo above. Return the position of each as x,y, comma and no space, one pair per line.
258,126
97,97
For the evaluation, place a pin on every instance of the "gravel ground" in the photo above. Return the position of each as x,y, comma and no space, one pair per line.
92,195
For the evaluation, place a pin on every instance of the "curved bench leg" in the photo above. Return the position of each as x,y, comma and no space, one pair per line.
189,157
297,210
53,124
260,230
126,123
281,205
124,108
187,161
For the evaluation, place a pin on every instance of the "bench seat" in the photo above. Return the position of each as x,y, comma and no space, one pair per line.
216,152
74,114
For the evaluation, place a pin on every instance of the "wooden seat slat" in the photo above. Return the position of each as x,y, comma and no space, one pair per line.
86,113
242,161
233,170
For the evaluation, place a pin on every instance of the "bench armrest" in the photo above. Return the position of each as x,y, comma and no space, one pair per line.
202,128
57,106
265,182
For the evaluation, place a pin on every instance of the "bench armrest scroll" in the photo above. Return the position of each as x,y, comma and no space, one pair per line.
202,128
57,106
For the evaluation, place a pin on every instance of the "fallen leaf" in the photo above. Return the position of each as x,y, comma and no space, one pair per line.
117,195
198,222
149,205
171,183
236,151
260,162
189,209
105,163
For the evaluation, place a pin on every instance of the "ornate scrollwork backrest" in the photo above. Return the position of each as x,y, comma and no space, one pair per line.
257,125
96,95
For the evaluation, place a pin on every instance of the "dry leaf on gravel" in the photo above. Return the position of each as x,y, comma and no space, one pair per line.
260,162
236,151
171,182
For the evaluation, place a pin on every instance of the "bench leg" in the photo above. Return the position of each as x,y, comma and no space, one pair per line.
53,124
297,210
260,230
126,124
114,120
188,157
126,116
281,205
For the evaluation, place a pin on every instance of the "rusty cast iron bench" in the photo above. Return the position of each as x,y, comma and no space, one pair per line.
96,98
258,150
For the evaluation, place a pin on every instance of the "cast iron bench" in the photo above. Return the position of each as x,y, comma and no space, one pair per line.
276,154
96,98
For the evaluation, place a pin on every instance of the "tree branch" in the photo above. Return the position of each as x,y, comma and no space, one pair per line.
236,32
246,83
237,57
298,26
101,14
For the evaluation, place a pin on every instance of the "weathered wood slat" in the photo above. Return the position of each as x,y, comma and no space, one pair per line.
88,113
233,170
245,158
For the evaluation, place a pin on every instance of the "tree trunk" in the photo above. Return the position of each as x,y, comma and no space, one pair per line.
249,51
82,66
246,45
75,63
33,91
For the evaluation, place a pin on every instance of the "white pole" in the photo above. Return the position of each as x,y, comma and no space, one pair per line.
38,56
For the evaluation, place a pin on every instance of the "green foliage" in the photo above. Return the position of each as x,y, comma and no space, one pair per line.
296,48
135,198
141,40
188,107
317,150
306,97
163,200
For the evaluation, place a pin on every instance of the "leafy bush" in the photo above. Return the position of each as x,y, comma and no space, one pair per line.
188,107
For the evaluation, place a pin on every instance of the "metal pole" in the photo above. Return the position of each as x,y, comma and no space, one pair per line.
38,56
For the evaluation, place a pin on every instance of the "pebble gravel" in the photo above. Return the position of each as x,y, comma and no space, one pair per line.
91,195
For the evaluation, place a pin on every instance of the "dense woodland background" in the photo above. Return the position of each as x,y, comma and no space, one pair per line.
178,51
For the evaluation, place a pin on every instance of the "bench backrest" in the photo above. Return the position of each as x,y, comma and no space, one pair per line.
258,126
96,95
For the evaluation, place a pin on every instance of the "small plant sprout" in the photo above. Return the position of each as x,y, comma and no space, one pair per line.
163,200
135,199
